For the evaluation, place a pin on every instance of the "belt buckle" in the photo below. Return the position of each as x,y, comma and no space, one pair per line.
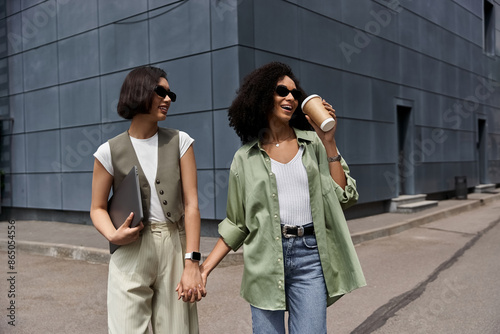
284,231
300,231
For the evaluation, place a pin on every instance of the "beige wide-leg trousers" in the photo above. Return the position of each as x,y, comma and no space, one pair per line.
142,280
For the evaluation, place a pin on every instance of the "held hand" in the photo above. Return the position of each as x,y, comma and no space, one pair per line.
204,275
191,287
125,234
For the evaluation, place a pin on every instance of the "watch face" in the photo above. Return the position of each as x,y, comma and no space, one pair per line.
196,256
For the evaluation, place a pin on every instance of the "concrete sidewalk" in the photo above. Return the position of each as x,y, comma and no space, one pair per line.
83,242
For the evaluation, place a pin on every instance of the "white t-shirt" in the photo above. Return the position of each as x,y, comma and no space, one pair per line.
146,151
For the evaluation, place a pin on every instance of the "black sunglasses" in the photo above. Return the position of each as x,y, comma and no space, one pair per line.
282,91
161,91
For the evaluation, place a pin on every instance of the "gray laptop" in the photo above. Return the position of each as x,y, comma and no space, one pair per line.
126,199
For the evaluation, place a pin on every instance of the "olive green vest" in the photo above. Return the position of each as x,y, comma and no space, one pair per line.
168,177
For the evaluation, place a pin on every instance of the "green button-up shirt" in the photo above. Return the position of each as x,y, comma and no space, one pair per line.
253,220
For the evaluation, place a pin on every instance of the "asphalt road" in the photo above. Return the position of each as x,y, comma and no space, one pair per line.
54,296
437,278
463,297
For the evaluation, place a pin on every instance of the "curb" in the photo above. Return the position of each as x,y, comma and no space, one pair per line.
231,259
90,254
386,231
102,256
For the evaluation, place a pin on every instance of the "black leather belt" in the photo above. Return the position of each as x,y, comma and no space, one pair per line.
290,231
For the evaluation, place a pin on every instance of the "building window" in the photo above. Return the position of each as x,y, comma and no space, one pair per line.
489,27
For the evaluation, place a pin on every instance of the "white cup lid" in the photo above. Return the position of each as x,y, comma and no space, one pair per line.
327,124
307,99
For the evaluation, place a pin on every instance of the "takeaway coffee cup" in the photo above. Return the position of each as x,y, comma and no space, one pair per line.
314,108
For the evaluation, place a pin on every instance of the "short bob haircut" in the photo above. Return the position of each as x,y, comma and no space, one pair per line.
248,114
137,92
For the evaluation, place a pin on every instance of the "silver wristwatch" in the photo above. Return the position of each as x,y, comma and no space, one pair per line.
193,256
333,159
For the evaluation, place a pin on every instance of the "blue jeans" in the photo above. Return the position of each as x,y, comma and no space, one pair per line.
305,292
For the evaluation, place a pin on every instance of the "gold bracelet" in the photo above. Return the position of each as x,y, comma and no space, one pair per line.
333,159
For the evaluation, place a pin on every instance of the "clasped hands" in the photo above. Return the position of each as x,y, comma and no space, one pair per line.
192,287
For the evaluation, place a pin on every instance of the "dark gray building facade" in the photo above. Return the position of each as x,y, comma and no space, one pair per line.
415,83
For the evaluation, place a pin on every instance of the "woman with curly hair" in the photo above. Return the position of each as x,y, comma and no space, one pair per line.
287,190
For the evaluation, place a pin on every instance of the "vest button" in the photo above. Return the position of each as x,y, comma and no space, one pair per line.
161,192
168,214
165,202
157,181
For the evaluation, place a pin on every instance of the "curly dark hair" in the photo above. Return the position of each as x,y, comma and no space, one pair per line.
137,92
248,114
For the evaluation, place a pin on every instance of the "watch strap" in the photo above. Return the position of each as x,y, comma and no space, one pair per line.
333,159
193,256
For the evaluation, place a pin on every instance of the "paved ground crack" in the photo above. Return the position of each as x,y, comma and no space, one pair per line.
449,231
378,318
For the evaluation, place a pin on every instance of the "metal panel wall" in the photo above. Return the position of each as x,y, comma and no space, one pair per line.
62,64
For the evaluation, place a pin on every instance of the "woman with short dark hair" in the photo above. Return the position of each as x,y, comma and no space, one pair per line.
287,190
149,265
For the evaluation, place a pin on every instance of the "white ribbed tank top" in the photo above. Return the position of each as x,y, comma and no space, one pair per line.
293,190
